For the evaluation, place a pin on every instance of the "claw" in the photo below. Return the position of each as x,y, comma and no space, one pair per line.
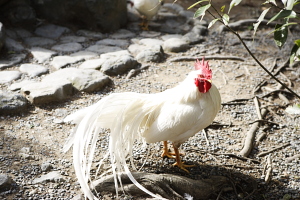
182,166
179,163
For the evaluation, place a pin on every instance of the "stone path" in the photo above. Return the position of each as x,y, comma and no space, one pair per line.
53,62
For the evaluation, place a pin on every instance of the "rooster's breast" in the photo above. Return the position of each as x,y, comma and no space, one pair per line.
177,122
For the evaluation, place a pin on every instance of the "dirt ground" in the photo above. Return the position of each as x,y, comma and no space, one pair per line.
238,81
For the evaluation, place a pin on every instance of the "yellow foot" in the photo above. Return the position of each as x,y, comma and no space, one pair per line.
182,166
168,155
144,25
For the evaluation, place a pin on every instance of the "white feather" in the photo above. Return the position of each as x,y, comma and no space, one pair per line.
148,8
175,115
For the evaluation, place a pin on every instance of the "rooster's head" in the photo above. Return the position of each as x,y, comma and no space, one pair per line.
204,75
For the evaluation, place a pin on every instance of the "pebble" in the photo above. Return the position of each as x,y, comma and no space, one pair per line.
5,182
103,48
61,61
33,70
51,31
8,76
42,54
38,41
175,45
67,47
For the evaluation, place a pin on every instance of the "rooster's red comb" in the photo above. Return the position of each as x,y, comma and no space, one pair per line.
204,68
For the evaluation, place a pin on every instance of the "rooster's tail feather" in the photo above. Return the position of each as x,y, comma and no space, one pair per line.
126,115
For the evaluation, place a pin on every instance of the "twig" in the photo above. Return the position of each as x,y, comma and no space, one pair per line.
238,157
215,125
193,58
242,22
290,159
283,98
272,92
236,102
205,136
274,149
257,107
265,121
268,169
133,72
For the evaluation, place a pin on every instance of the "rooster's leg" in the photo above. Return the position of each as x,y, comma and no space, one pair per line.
144,24
166,152
179,163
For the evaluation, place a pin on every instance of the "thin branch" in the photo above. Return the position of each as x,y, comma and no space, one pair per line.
274,149
251,54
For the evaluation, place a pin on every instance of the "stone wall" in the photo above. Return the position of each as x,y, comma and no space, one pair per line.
100,15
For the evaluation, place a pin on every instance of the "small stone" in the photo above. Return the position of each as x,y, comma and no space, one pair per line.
150,42
113,42
51,31
13,45
10,103
175,45
92,64
61,61
67,47
72,38
8,76
122,34
5,182
84,54
12,60
33,70
153,54
46,92
38,41
45,167
90,34
41,54
103,48
54,177
19,85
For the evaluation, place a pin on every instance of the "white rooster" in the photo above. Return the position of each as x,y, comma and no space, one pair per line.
147,8
173,115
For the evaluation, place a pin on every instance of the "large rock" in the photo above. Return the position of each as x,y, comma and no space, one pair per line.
61,84
12,104
46,92
103,15
117,63
54,177
5,182
18,12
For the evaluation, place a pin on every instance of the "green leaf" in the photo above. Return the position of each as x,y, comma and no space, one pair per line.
280,34
222,9
196,4
225,18
259,20
234,3
295,53
290,4
284,25
201,11
283,14
212,23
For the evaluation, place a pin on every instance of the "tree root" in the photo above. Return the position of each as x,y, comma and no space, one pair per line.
250,135
166,185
